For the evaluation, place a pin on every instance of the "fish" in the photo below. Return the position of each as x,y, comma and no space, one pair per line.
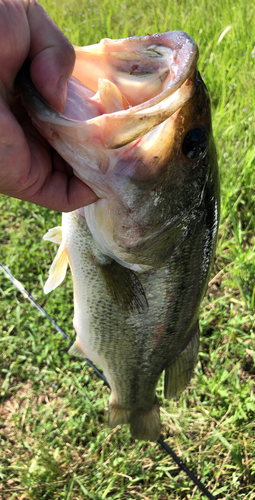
137,129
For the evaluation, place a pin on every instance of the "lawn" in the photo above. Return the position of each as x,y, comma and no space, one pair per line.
54,439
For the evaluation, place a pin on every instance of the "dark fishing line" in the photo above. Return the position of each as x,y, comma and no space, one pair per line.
30,298
185,469
27,295
101,376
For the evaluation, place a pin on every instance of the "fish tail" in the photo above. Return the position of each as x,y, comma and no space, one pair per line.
144,425
117,415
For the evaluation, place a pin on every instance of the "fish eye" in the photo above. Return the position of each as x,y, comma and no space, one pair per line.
195,143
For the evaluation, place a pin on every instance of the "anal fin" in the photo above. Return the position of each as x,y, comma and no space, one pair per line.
179,372
75,350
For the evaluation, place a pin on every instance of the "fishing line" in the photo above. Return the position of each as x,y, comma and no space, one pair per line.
44,313
27,295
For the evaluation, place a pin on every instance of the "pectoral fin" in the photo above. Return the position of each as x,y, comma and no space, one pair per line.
124,286
54,235
57,270
179,372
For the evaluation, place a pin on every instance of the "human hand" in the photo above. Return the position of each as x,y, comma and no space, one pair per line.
29,168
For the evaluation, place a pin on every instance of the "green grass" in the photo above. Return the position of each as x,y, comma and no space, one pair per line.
54,440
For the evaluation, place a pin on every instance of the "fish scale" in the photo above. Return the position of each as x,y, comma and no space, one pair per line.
141,255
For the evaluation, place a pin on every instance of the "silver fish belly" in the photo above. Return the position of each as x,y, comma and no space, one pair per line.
141,255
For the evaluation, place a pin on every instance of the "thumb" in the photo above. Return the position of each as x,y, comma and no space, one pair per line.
51,54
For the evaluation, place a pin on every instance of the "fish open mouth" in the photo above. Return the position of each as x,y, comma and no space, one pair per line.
121,89
131,85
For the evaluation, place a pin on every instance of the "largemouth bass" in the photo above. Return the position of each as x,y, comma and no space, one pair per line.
136,129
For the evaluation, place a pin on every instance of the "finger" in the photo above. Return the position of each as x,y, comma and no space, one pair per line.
32,171
14,42
60,164
59,191
14,151
63,193
52,56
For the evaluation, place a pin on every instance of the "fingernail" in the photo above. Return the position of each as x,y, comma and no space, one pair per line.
62,91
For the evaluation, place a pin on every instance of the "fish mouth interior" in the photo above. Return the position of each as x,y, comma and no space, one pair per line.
136,73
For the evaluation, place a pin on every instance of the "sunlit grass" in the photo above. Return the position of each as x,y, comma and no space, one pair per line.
53,411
